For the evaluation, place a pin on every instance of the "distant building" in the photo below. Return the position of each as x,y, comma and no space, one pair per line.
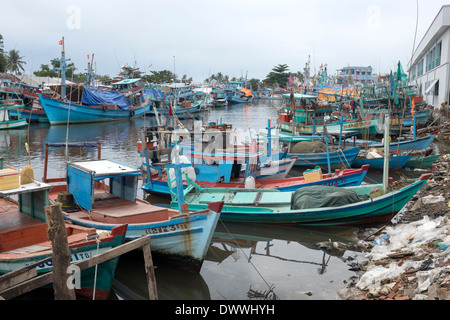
429,67
359,74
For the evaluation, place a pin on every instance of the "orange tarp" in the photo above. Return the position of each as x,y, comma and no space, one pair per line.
247,92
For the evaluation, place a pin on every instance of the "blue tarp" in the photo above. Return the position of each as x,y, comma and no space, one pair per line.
157,94
95,97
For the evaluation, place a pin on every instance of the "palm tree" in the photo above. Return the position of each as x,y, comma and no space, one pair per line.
14,62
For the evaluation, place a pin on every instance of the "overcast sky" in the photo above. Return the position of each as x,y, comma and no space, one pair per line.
203,37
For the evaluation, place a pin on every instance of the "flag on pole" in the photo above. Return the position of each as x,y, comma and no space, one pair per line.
60,42
291,80
170,111
412,108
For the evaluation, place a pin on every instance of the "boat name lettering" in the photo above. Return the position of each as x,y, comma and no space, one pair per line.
75,257
334,183
175,227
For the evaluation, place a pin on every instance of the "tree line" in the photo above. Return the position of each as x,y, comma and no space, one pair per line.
11,61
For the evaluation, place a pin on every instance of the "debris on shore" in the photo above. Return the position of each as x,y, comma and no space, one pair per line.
410,258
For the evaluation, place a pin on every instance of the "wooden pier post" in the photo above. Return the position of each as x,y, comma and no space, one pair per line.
150,272
61,253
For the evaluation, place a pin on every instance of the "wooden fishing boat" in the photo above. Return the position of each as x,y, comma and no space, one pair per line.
7,121
105,194
96,106
275,207
126,100
396,161
422,159
32,110
24,240
237,93
420,143
339,157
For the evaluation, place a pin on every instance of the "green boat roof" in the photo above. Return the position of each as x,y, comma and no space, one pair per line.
126,81
300,96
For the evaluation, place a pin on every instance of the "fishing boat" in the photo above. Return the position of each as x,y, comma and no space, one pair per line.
420,143
105,196
275,207
396,160
126,100
7,104
304,115
25,242
32,110
336,157
97,105
421,159
237,93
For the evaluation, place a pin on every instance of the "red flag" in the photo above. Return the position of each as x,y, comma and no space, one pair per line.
60,42
412,108
170,111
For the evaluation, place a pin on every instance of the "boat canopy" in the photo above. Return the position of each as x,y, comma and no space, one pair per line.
126,81
95,97
247,92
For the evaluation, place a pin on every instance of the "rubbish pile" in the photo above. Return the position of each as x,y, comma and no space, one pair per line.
410,258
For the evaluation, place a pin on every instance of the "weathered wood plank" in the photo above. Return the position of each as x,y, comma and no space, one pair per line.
150,272
61,253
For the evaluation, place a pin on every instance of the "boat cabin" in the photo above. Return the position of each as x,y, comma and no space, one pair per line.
86,178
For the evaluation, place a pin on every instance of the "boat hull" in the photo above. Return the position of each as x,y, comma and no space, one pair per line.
92,280
59,112
372,211
182,241
395,162
342,157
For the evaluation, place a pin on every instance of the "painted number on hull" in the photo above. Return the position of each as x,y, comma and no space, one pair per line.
164,229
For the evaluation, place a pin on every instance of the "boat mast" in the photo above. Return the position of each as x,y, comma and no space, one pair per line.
62,68
386,153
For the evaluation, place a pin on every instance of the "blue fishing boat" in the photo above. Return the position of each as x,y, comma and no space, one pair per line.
105,194
421,143
126,100
97,105
396,161
340,157
237,93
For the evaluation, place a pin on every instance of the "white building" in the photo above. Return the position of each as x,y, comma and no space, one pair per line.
430,68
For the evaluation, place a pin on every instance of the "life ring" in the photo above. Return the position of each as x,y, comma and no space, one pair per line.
105,108
132,113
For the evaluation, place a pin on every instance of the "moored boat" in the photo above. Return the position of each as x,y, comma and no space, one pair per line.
177,236
24,240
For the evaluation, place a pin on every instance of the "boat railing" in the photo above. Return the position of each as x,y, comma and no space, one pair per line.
11,103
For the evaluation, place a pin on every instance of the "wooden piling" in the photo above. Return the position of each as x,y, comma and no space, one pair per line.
150,272
61,253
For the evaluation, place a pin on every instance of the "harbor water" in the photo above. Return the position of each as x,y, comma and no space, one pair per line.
244,262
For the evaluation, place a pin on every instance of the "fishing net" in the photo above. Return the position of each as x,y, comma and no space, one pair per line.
324,196
309,147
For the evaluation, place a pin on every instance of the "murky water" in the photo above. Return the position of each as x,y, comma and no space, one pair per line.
244,261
